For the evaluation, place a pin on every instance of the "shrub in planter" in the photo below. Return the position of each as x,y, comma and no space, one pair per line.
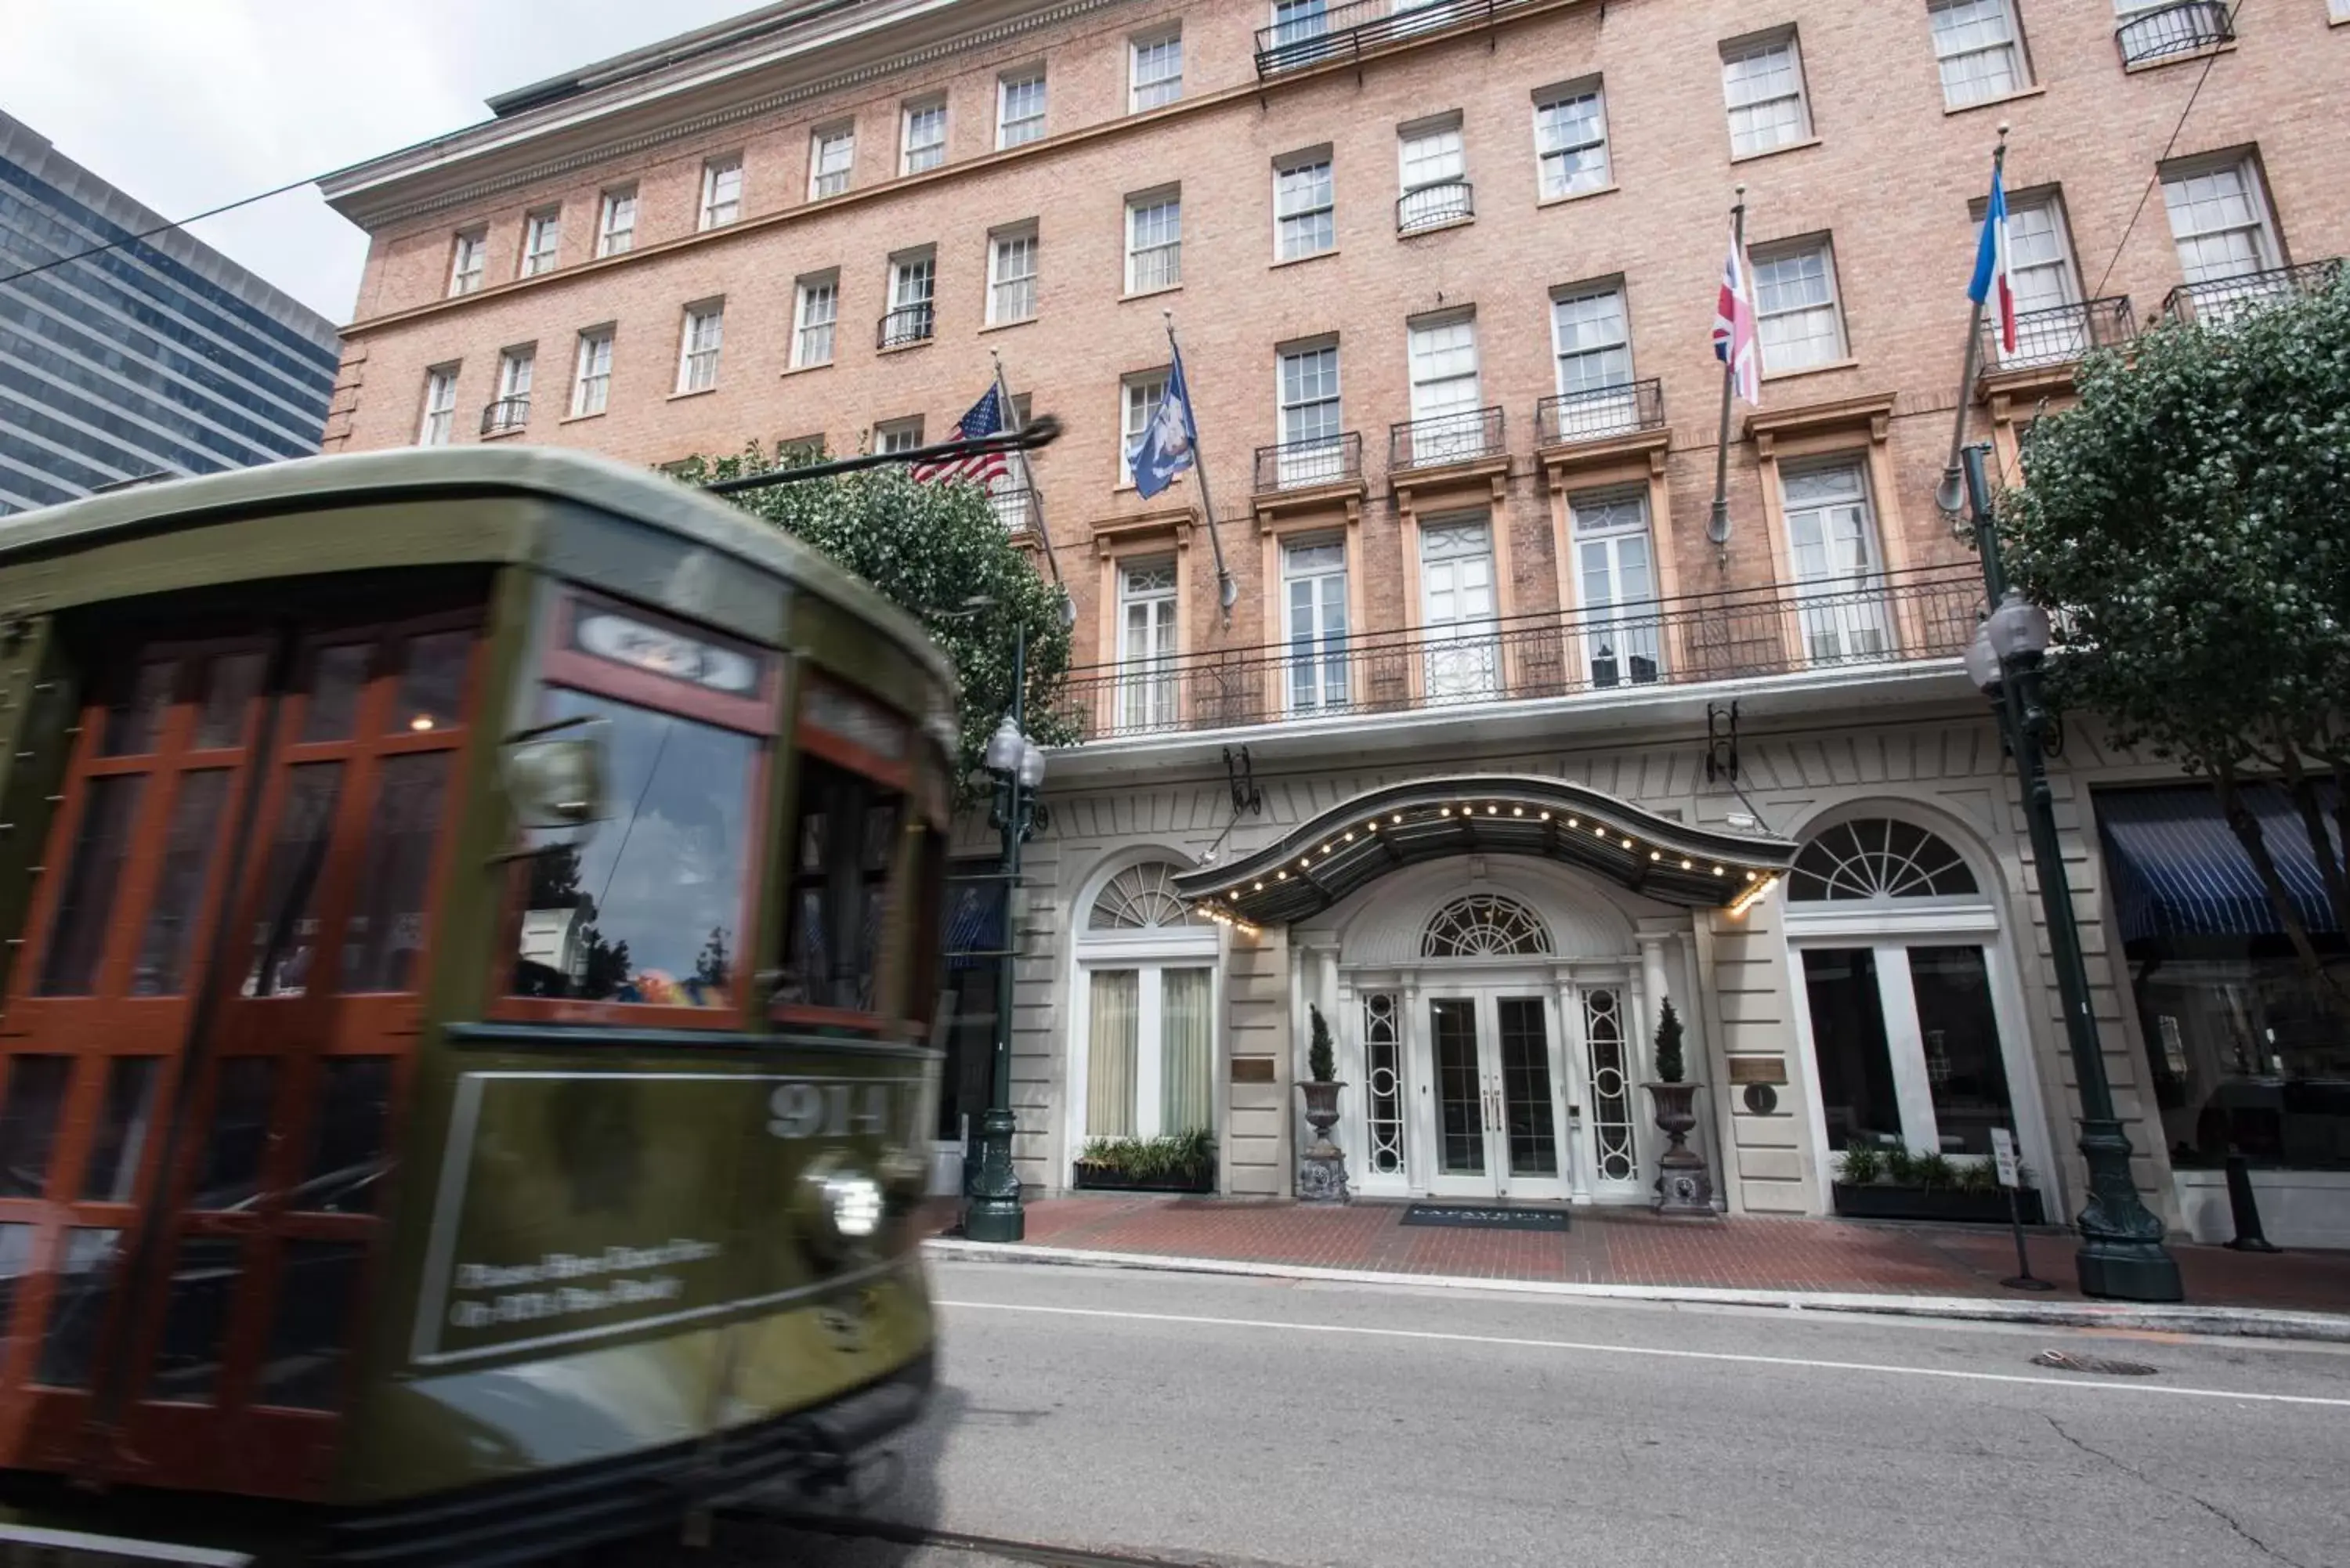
1179,1162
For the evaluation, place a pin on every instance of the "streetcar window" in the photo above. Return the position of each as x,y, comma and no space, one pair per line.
845,855
346,1139
287,932
15,1263
121,1137
337,676
649,908
28,1123
134,719
318,1283
195,1318
231,683
240,1132
161,966
383,936
85,1283
77,936
431,681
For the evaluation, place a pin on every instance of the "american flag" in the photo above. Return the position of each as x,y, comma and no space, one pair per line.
986,418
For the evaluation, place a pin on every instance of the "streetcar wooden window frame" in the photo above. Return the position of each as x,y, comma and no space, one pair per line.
563,663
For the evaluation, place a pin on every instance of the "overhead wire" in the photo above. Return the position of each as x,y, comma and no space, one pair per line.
2155,178
159,229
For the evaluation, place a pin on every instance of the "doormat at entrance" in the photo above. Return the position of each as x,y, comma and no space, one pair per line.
1485,1217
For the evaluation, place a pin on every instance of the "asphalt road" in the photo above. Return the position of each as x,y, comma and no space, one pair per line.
1253,1422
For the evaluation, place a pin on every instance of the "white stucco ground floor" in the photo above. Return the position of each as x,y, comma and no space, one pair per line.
1489,914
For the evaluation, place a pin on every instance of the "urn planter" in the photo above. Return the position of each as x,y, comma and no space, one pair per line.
1322,1168
1684,1184
1955,1205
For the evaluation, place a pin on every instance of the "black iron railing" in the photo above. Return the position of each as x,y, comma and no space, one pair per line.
2217,300
506,414
1446,437
1017,509
2059,334
1598,412
2178,29
1780,630
907,324
1312,34
1433,205
1302,464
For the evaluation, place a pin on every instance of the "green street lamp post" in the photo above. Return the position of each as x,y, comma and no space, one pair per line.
2121,1253
991,1209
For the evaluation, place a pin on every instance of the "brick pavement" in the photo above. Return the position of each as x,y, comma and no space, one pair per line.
1615,1247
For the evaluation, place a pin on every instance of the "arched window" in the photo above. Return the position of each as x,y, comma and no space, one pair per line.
1140,899
1486,925
1878,858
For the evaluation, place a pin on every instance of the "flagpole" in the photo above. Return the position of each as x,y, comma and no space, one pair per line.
1950,496
1227,591
1717,525
1012,421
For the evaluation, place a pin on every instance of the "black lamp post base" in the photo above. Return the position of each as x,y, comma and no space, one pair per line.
995,1219
2128,1271
992,1211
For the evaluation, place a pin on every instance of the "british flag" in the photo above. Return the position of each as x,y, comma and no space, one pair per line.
1735,341
985,419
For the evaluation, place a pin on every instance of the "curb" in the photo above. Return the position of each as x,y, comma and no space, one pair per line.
2249,1322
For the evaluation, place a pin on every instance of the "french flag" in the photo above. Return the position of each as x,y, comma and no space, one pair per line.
1991,265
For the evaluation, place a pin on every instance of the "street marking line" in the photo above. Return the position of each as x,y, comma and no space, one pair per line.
1808,1363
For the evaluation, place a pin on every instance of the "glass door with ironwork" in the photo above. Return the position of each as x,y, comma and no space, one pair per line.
1497,1130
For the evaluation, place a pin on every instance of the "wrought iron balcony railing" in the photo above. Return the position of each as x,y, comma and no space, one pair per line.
1446,437
1434,205
2182,28
1303,464
506,414
1781,629
907,324
1599,412
2059,335
2219,300
1017,509
1311,32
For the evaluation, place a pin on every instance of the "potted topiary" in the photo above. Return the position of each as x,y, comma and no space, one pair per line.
1322,1168
1683,1187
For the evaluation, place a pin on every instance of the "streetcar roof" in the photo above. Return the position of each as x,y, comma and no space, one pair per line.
411,474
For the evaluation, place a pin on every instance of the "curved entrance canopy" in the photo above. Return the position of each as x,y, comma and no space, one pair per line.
1355,844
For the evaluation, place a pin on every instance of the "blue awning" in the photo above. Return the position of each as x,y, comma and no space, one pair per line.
974,922
2179,870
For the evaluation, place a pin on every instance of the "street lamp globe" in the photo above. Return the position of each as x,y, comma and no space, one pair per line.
1982,661
1003,755
1032,764
2017,628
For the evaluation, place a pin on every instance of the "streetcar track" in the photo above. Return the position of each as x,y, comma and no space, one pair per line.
1036,1551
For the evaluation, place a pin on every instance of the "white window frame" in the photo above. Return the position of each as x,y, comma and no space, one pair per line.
721,192
1294,21
1626,628
1292,397
438,427
1432,155
1029,126
1842,616
829,176
701,340
897,435
615,221
1139,396
1305,205
1012,294
1147,682
1150,954
1419,351
1774,359
591,373
1604,406
926,115
1460,655
469,261
1558,175
1315,656
1961,93
516,366
913,283
1736,98
542,241
2267,247
1148,204
1165,88
815,318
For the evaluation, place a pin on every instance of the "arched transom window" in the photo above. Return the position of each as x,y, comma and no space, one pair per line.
1486,925
1141,898
1878,858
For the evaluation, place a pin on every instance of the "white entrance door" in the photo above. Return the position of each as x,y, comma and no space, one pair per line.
1496,1079
1456,568
1604,1084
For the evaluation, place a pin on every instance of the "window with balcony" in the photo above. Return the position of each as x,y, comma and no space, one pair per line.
512,410
1305,203
913,285
1139,396
1310,419
542,237
591,376
1762,84
2148,31
832,151
1154,240
897,435
1616,586
1155,69
468,261
1012,275
1462,660
1571,140
2051,326
616,221
1020,107
1795,310
1980,50
697,363
1839,573
1433,168
1294,21
1313,608
440,406
925,136
1592,339
1146,603
815,310
1447,423
2218,217
721,191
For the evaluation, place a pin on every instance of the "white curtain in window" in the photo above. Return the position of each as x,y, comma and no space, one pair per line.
1112,1038
1187,1051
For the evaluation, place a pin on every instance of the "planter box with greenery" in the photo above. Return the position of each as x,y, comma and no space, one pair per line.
1181,1162
1895,1184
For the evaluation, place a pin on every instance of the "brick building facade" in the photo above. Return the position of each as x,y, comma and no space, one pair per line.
1443,277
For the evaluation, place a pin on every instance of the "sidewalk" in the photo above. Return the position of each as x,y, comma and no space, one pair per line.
1832,1264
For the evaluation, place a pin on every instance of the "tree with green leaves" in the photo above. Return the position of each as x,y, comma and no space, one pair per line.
2187,523
1669,1064
930,548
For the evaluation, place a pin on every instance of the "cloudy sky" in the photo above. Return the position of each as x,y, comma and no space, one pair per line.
187,104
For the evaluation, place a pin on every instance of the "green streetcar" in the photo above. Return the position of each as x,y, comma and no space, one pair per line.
471,945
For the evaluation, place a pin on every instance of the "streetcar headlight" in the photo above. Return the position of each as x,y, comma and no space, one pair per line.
855,1202
840,1207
